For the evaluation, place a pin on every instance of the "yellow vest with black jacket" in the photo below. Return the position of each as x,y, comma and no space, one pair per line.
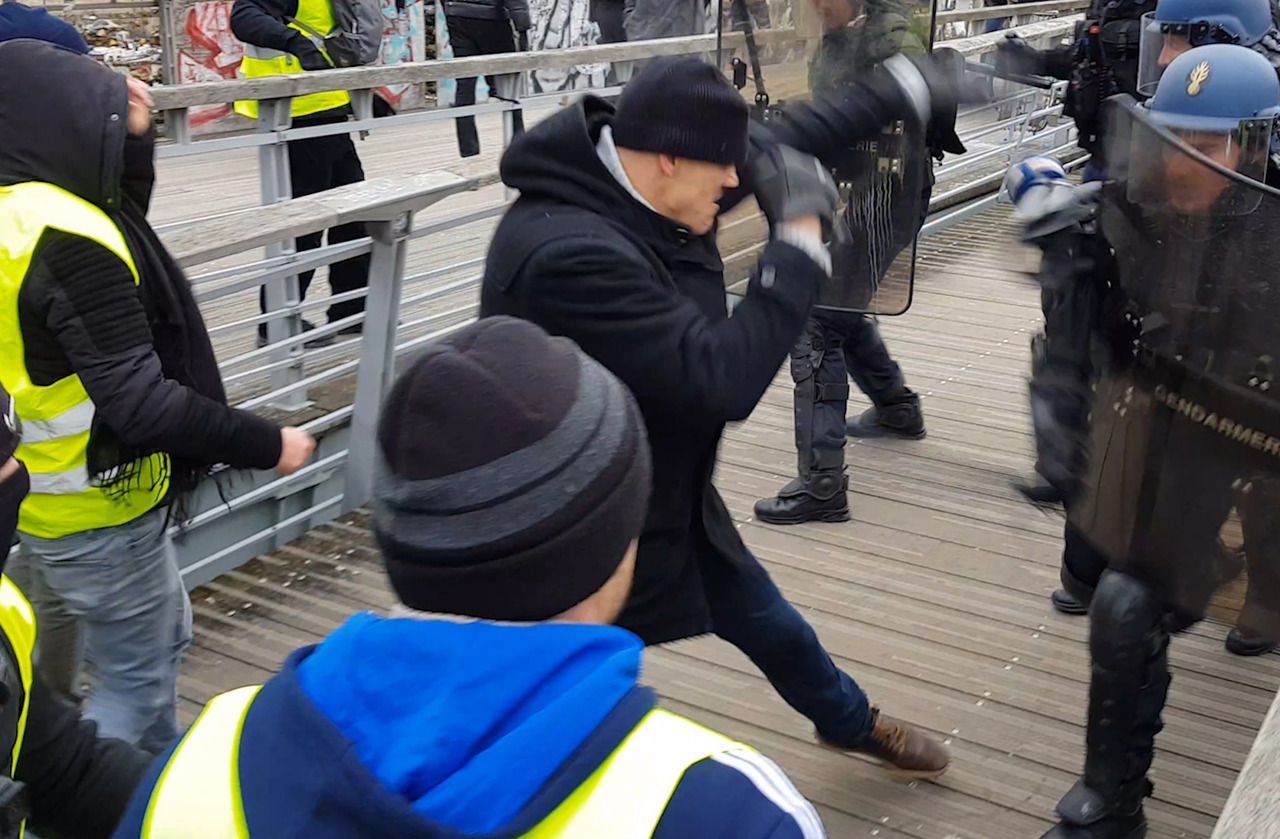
314,18
198,792
57,417
18,625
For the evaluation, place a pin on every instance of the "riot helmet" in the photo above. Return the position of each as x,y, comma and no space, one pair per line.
1180,25
1209,125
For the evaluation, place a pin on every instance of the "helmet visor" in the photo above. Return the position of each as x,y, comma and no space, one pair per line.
1163,41
1191,166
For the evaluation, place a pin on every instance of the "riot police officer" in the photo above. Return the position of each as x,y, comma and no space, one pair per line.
1063,365
1101,61
1185,416
885,188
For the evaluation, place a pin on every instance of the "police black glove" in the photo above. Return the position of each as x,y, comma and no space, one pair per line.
790,185
931,85
309,55
1014,55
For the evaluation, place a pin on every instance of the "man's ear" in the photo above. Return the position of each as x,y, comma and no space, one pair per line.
667,164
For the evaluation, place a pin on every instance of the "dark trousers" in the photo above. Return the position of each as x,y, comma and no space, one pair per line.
835,346
748,611
474,36
317,164
608,14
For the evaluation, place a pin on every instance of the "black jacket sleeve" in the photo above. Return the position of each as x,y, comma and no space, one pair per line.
79,783
1058,61
90,305
262,23
672,357
827,126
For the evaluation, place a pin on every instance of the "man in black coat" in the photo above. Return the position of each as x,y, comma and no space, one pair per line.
611,243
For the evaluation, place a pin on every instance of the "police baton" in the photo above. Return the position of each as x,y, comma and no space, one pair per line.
1021,78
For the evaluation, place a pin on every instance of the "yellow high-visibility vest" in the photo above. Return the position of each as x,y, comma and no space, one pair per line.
18,623
313,15
57,418
198,794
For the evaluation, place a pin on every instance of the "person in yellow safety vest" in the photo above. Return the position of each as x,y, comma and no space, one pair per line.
279,38
110,366
56,774
513,477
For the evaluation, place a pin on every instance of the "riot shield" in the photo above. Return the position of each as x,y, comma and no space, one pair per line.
791,50
1186,418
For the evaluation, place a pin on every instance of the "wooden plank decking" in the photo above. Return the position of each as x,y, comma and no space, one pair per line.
934,597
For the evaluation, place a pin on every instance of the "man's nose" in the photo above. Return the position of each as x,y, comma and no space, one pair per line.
731,178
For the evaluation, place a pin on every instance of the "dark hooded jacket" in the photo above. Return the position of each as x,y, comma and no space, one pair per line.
579,256
141,350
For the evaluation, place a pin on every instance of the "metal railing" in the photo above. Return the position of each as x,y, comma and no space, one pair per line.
270,510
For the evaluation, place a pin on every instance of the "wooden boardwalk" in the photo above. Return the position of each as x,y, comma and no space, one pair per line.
934,597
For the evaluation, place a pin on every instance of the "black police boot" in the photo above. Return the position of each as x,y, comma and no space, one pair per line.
823,497
1086,813
1074,596
1042,494
899,419
1246,642
1129,645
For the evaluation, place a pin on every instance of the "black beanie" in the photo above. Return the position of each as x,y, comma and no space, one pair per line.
513,473
685,108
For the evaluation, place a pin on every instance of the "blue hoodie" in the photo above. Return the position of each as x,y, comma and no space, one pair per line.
427,729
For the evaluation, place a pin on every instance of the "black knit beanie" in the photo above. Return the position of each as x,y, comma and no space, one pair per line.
685,108
513,473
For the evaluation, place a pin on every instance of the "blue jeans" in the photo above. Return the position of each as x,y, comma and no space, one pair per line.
119,589
748,611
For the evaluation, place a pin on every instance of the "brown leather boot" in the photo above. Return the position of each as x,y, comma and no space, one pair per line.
901,747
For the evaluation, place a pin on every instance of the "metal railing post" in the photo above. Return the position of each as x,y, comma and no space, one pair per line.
377,354
274,115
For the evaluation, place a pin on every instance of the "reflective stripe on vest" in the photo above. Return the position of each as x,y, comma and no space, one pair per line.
18,622
313,15
57,417
198,793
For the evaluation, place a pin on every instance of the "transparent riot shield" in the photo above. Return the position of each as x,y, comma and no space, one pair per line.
1186,420
791,50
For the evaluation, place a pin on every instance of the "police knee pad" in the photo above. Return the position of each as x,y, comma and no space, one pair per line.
1127,622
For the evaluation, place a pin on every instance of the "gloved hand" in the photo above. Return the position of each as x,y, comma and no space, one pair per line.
309,55
1014,55
931,85
790,186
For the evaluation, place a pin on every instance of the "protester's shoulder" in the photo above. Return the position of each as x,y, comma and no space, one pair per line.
581,244
739,793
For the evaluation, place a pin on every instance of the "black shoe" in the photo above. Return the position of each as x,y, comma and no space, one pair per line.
797,503
1068,605
903,419
307,326
1040,494
1243,642
1087,814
